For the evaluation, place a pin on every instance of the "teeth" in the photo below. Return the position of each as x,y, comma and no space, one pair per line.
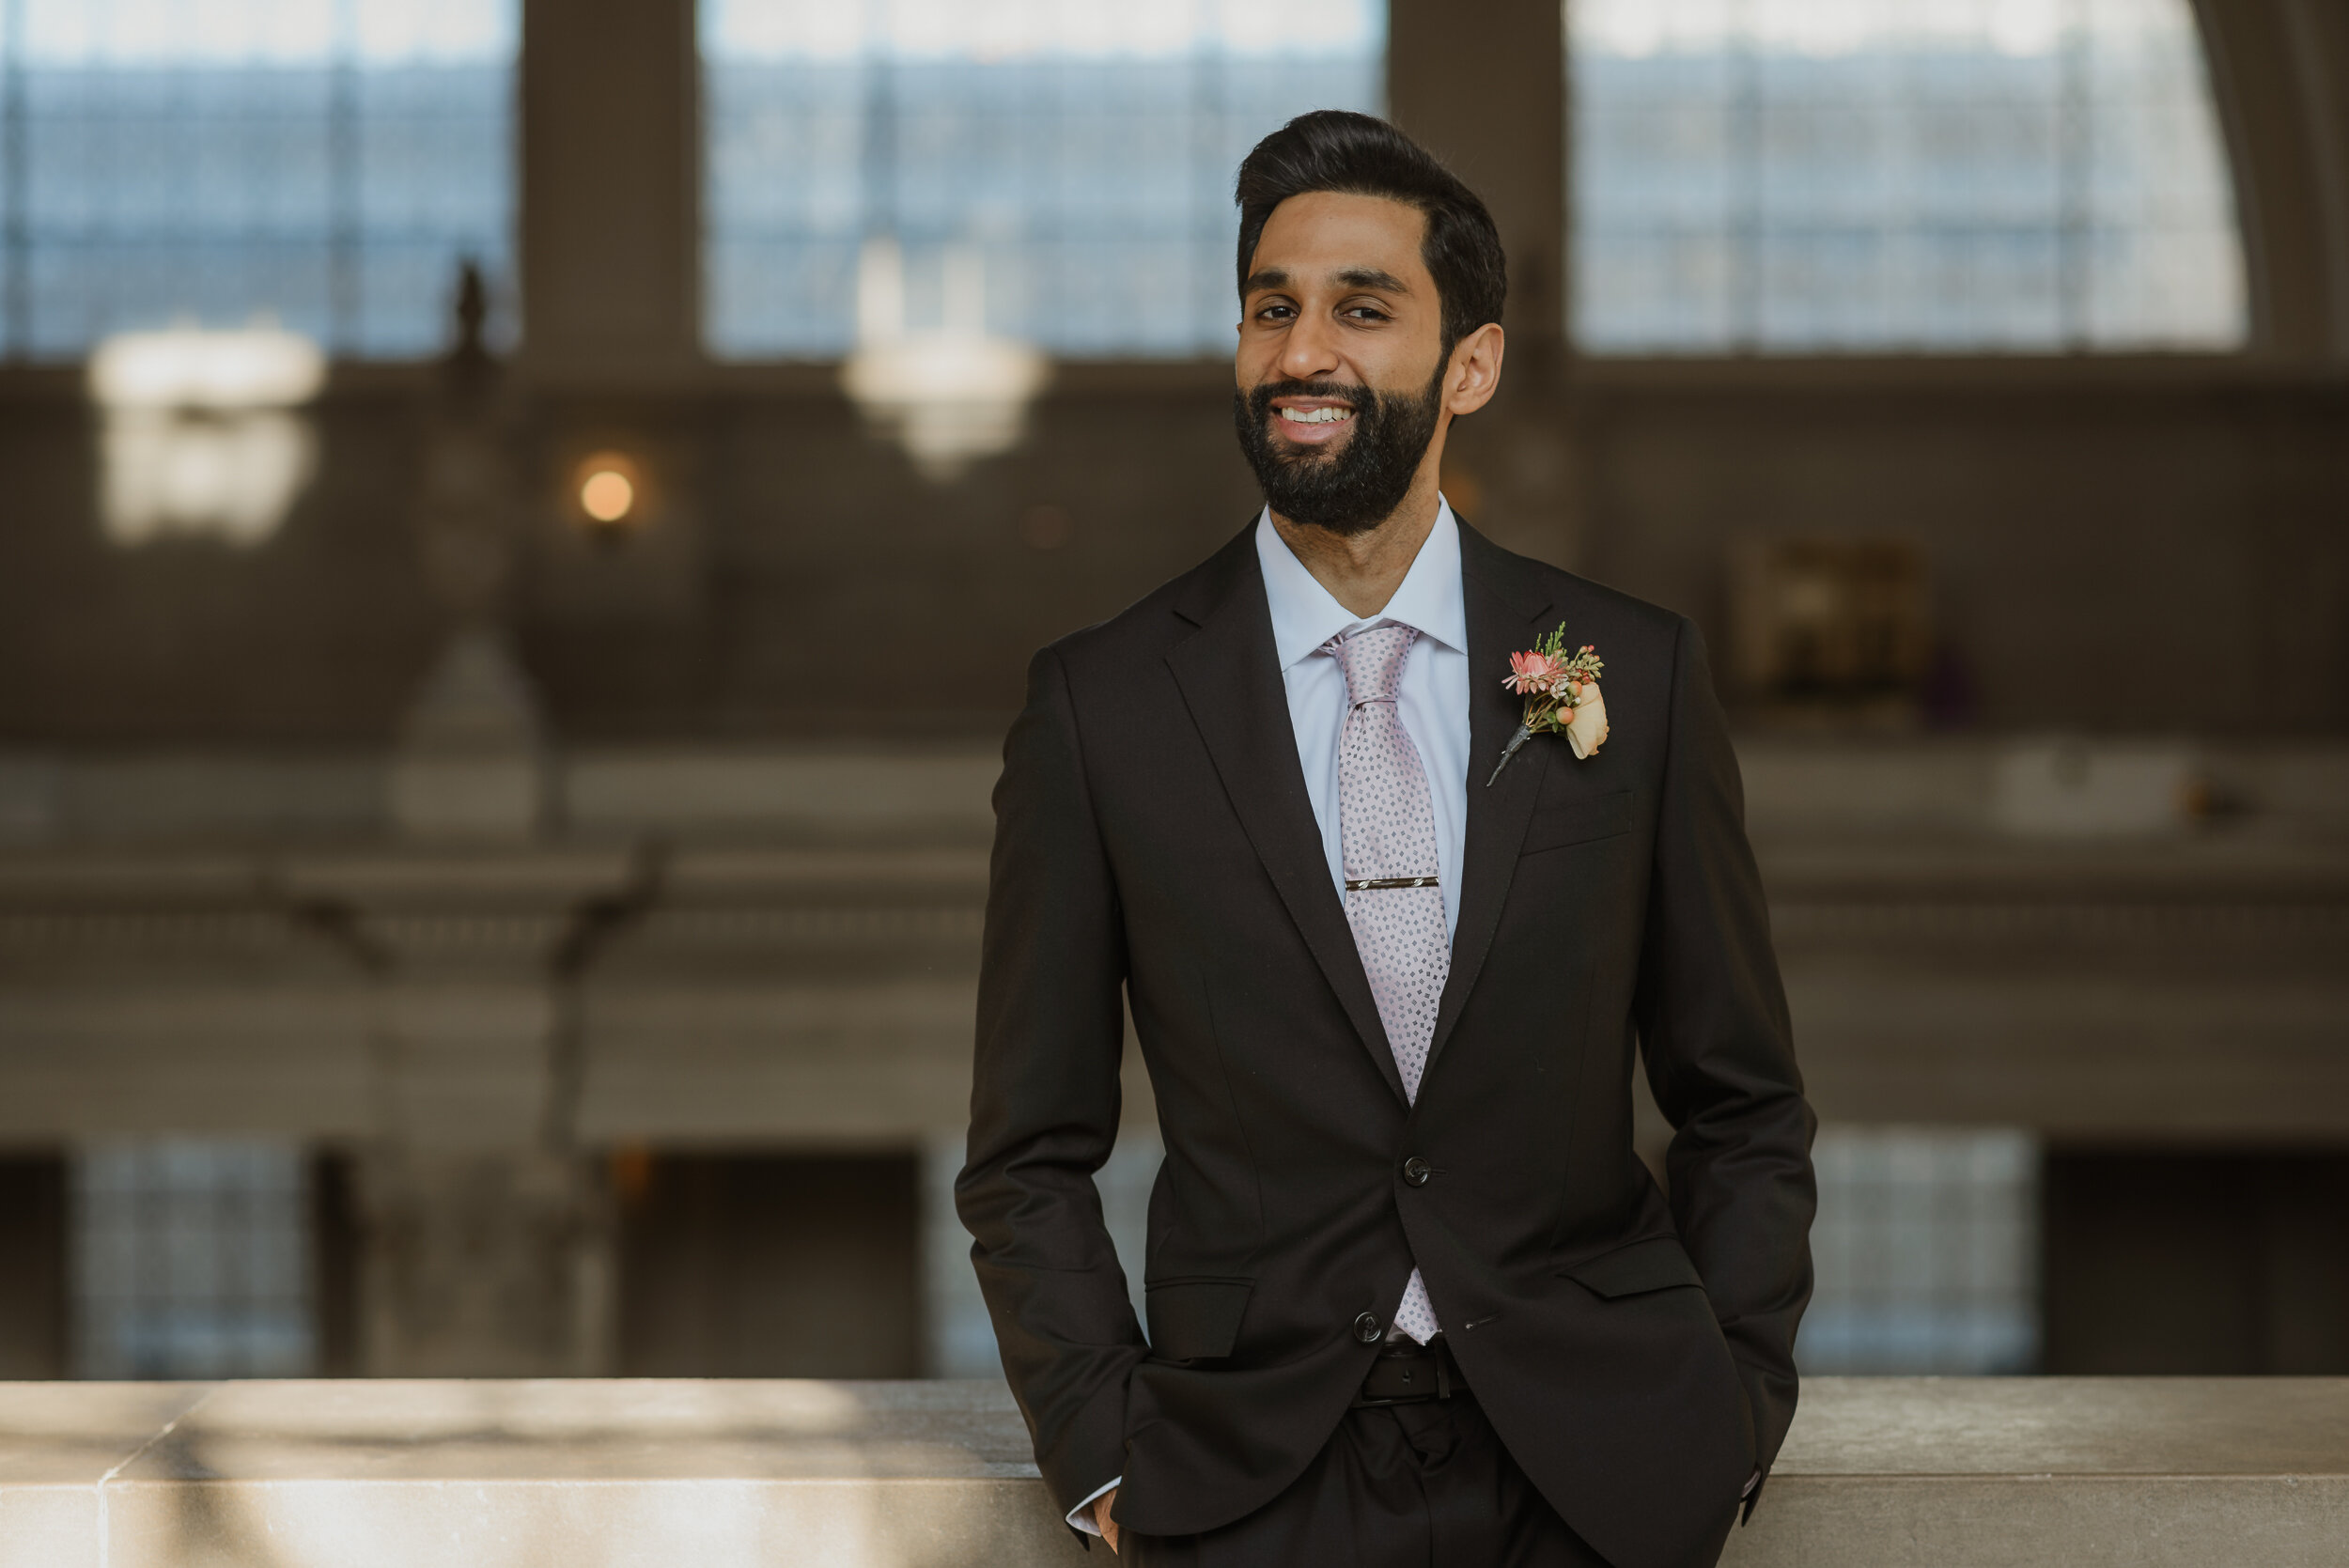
1316,416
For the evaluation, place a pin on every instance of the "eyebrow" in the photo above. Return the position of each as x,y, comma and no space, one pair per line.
1351,277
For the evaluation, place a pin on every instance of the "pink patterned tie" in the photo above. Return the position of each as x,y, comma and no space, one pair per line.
1393,899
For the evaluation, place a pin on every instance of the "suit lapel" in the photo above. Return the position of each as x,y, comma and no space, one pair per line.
1230,678
1505,607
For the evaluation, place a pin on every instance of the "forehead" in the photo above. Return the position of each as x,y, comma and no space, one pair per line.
1321,233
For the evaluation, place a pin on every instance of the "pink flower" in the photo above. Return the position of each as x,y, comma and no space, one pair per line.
1535,674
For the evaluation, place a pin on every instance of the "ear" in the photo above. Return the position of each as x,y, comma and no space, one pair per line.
1475,374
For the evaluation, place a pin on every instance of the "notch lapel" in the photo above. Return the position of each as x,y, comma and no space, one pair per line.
1230,677
1504,606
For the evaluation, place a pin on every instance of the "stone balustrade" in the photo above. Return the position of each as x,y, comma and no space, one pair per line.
610,1474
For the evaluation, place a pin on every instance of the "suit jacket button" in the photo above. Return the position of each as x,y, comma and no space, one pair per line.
1416,1170
1366,1328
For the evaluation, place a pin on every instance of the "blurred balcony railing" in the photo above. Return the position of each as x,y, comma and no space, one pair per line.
783,942
2071,943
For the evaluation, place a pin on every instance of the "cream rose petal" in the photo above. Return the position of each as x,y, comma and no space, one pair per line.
1586,732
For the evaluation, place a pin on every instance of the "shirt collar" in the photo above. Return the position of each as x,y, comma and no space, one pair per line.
1304,617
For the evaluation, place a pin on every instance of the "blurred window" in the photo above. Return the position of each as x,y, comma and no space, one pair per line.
1910,175
1082,153
1926,1250
191,1259
325,163
1824,625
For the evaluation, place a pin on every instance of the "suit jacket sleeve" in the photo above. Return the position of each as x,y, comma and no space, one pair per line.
1044,1102
1720,1055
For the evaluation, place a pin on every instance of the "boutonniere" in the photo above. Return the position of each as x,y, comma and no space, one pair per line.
1560,693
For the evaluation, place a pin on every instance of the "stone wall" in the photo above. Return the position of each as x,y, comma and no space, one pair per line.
2144,547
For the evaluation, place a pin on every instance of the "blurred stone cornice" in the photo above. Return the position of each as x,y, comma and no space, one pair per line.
741,945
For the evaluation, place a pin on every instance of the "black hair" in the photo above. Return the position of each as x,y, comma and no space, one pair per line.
1334,150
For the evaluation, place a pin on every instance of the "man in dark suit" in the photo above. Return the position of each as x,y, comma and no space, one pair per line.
1411,1296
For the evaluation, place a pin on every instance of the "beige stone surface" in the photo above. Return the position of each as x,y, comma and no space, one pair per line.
1967,1473
898,1523
81,1434
2048,1522
61,1446
391,1474
2007,1472
2083,1426
41,1527
591,1431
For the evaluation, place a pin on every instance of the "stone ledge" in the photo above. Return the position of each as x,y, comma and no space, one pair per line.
612,1474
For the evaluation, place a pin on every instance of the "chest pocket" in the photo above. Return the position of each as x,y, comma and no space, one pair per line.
1558,825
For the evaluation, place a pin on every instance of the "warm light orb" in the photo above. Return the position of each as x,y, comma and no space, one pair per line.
607,495
608,491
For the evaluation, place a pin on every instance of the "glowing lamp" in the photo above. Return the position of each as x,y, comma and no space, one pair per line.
609,490
947,395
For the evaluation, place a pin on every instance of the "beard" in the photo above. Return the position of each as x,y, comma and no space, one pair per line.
1355,487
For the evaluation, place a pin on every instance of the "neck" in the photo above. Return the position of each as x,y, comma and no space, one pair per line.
1363,570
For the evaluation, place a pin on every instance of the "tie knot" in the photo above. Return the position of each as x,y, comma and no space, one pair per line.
1372,659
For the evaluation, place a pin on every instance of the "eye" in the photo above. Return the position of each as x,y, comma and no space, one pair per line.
1276,312
1365,313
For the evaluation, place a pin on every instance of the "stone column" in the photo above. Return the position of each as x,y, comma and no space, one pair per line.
487,1263
1486,91
486,1242
610,191
2279,75
486,1236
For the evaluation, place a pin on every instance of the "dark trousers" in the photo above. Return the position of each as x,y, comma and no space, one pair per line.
1425,1485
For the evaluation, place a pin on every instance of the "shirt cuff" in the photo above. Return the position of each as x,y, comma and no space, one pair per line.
1746,1491
1080,1516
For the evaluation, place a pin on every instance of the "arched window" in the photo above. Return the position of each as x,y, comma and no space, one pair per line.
1939,175
1056,172
324,164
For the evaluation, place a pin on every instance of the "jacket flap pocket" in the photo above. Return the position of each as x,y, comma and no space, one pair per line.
1656,1264
1195,1320
1554,827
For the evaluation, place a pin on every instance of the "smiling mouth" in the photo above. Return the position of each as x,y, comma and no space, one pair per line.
1316,416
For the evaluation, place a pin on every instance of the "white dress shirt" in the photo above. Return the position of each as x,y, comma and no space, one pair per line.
1432,702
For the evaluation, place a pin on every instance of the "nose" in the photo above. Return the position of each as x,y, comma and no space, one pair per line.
1309,350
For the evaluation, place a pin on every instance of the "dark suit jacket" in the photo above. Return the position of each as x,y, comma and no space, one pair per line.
1153,831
